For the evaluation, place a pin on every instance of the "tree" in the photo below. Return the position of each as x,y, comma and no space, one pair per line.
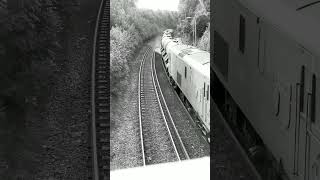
198,10
187,7
65,10
202,24
130,27
27,36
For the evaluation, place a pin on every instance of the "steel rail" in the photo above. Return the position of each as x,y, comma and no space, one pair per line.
174,126
164,117
93,108
139,103
182,104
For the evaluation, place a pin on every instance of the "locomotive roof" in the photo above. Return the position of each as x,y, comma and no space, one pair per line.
166,41
196,58
168,30
298,19
157,50
202,57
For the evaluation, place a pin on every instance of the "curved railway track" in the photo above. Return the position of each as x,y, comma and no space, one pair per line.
160,141
176,136
100,95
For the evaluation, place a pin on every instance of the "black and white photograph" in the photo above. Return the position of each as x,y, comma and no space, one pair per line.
160,85
159,89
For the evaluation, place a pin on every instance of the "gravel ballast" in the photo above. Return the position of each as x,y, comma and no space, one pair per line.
54,142
66,153
158,147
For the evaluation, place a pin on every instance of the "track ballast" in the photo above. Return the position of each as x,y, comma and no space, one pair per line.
159,141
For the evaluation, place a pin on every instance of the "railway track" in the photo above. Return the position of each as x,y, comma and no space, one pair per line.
100,95
206,138
176,136
160,142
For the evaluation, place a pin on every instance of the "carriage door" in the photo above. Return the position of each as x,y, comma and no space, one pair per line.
305,143
205,103
203,111
312,155
313,130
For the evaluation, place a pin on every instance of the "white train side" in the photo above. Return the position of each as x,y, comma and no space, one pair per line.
267,75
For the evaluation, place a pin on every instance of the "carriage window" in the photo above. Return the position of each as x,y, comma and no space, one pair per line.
208,93
242,34
302,89
313,99
185,72
204,89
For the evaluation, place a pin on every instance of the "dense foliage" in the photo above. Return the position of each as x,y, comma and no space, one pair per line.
130,27
191,12
28,39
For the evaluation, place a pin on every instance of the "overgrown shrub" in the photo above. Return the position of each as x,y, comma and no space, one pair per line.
121,49
198,11
204,42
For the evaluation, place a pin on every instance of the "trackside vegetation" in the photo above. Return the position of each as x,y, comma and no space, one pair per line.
130,28
193,12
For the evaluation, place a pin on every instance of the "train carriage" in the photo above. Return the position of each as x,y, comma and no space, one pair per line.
191,73
266,63
189,69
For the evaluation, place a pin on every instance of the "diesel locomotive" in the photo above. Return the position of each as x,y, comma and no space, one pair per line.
189,71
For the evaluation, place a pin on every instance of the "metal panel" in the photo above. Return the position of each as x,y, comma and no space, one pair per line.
178,78
221,54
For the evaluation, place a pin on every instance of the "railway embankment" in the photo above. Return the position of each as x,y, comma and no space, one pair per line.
125,150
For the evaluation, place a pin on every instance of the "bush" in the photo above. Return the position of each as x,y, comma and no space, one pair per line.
204,42
121,49
199,12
